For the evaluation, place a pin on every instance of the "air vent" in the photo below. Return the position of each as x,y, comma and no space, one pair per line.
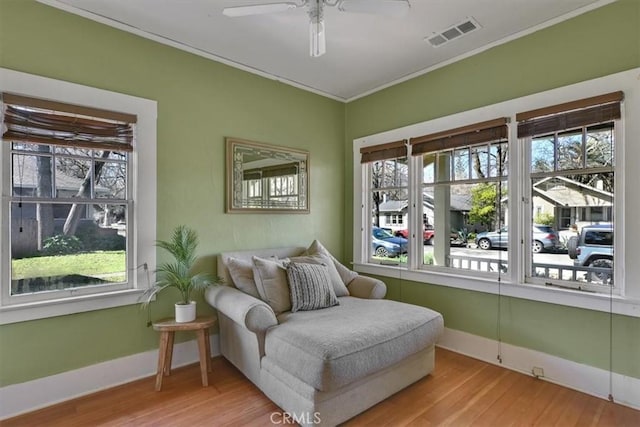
453,32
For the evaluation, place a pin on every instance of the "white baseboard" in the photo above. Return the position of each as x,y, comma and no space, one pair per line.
587,379
29,396
25,397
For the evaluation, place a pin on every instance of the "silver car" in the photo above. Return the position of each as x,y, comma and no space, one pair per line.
544,238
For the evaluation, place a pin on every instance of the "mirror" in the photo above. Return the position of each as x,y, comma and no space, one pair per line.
266,178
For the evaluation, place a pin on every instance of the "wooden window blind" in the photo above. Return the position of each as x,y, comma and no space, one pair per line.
570,115
474,134
390,150
40,121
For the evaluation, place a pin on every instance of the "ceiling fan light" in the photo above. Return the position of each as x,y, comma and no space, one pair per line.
317,41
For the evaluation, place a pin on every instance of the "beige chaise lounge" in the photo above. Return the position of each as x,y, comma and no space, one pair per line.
325,366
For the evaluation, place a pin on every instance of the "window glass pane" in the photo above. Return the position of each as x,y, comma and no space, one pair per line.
480,161
388,234
542,154
498,160
576,206
111,180
32,175
600,146
461,165
390,173
46,258
73,177
570,150
428,168
467,222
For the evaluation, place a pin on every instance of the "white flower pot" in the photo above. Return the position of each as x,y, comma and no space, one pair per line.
186,312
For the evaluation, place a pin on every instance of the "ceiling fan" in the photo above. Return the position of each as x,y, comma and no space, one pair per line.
315,10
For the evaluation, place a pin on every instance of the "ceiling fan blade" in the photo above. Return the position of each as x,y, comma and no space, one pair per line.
258,9
382,7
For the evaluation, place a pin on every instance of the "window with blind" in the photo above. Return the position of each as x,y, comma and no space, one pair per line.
387,173
69,203
78,210
571,167
463,193
526,198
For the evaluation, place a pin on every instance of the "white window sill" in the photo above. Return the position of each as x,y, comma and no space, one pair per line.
43,309
567,297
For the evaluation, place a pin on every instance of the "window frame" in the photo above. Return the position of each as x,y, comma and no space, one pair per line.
513,282
142,186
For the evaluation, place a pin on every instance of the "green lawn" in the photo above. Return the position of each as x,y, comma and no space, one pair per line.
111,263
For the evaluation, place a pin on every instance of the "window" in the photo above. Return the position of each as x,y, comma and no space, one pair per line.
572,175
504,200
70,176
387,174
464,173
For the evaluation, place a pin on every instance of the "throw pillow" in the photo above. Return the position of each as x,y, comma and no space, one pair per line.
345,273
271,280
336,281
310,287
241,272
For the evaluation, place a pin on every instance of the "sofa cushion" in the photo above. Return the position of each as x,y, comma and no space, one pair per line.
310,287
241,272
271,280
345,273
339,287
331,348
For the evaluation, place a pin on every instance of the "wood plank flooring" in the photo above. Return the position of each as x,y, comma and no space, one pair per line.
460,392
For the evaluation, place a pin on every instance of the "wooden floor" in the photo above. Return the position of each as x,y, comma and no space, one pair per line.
460,392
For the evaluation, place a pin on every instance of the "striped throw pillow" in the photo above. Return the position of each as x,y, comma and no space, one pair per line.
310,286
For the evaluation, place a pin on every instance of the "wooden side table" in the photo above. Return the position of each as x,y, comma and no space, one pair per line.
167,329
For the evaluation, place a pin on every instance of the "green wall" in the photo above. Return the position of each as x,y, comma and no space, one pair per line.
199,103
595,44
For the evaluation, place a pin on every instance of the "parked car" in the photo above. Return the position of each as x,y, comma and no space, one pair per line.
385,244
544,238
593,247
427,234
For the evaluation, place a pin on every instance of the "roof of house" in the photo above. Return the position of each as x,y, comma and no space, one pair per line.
393,206
561,191
25,175
459,202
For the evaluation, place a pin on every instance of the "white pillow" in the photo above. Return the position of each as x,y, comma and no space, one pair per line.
271,281
241,272
346,274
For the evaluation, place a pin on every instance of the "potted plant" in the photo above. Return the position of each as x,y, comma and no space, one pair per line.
178,273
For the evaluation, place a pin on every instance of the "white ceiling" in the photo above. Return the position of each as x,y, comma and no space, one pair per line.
365,52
